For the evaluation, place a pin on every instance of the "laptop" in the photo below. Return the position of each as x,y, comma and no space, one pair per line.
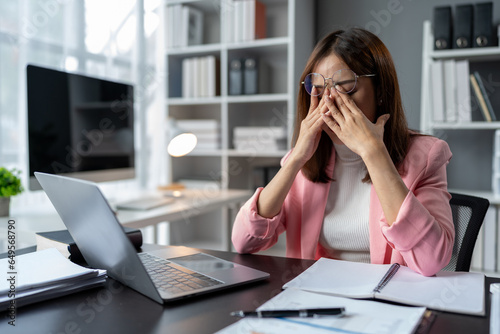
163,275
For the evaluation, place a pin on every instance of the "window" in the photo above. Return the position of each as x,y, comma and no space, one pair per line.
91,37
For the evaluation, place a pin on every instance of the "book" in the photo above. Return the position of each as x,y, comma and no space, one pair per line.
361,316
192,26
438,106
485,96
44,275
254,20
249,20
463,91
459,292
450,91
64,243
481,98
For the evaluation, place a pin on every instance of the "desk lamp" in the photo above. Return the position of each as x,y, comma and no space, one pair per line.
181,142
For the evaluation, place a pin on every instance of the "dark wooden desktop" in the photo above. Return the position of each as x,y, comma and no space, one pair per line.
118,309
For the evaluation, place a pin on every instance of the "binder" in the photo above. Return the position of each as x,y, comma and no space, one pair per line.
462,27
442,27
483,25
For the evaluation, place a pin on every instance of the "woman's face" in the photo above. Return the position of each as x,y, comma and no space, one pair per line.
363,94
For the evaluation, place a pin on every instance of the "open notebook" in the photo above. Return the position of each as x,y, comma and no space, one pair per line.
459,292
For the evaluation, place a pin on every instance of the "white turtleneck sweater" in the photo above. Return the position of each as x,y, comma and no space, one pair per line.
345,234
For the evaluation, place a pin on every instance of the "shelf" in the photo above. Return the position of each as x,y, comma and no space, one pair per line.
467,126
257,98
473,54
274,42
195,50
192,101
280,58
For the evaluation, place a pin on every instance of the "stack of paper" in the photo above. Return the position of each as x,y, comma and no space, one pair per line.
362,316
43,275
205,130
255,139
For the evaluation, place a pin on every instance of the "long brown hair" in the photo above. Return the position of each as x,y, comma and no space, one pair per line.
364,53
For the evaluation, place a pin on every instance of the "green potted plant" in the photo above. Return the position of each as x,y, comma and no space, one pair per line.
10,185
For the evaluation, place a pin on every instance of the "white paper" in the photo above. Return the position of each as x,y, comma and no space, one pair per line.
344,278
39,268
362,316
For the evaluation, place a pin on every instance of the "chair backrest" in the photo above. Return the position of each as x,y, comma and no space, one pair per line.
468,215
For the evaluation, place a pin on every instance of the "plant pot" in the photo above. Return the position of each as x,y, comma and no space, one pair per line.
4,206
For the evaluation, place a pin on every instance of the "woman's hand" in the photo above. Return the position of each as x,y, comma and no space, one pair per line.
351,125
365,138
310,130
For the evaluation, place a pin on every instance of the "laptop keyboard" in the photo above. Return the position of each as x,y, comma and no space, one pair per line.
173,279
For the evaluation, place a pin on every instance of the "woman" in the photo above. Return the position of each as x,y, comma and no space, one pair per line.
358,184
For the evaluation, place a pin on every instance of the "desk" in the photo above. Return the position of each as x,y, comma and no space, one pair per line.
193,203
118,309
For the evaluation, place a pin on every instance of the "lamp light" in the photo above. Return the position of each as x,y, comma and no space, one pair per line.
181,142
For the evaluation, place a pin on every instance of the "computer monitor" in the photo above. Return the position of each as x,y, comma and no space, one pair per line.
79,126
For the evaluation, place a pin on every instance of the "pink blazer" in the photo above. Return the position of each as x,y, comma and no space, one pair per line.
421,237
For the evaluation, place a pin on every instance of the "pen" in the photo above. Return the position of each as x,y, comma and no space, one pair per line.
304,313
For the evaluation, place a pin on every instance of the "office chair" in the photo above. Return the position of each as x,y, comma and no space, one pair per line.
468,214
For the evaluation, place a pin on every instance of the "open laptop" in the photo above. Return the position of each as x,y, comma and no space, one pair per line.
104,245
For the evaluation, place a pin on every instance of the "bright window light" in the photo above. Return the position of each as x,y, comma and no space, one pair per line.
71,63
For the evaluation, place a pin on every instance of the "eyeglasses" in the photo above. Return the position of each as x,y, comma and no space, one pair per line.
345,78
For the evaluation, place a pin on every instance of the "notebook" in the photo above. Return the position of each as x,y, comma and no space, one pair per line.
460,292
104,245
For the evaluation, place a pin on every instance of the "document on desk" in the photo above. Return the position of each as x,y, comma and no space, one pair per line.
458,292
361,316
42,275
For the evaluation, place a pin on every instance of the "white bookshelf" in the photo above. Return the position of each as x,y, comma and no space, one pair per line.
284,51
463,138
475,57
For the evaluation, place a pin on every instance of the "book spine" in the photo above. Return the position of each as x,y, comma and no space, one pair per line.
480,98
438,108
484,93
387,277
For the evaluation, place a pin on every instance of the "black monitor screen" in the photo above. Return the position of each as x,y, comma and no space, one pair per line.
79,125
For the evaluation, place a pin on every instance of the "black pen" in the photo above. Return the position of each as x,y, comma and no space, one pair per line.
304,313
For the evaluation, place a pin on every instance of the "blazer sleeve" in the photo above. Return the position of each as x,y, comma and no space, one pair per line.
253,233
424,231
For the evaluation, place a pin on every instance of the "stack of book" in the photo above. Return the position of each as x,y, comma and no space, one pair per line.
205,130
246,20
452,100
43,275
255,139
200,77
185,26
